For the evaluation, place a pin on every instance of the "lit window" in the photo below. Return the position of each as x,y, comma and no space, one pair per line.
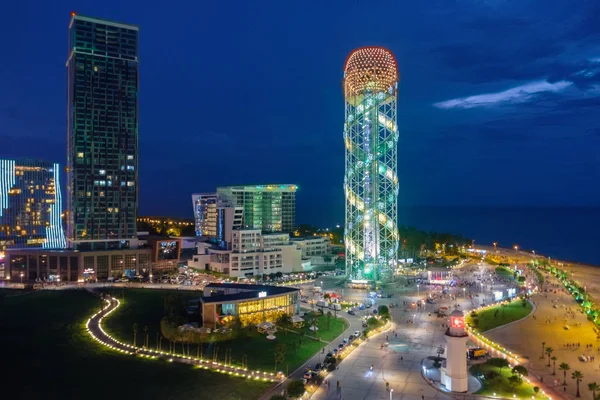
79,155
130,157
130,183
102,172
130,168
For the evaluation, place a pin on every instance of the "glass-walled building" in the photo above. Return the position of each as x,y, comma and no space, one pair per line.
102,139
252,304
270,208
30,205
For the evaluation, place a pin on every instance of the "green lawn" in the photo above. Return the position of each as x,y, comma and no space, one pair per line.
500,386
48,354
489,319
145,307
505,272
327,331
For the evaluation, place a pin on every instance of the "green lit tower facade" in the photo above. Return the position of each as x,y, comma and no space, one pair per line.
370,182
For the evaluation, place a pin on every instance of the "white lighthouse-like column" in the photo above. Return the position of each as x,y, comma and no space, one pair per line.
454,373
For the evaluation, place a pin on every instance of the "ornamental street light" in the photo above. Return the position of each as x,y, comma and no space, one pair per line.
391,391
21,275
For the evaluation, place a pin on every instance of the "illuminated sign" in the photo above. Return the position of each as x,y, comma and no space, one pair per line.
262,294
498,295
457,322
359,281
512,292
88,271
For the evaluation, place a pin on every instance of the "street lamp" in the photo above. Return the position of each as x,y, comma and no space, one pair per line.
21,275
464,289
495,249
516,250
391,391
418,292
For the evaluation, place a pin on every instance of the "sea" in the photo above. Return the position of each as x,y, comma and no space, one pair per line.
563,233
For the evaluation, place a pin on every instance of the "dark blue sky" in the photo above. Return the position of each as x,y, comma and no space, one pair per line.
498,100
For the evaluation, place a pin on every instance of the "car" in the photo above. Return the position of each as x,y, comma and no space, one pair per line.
328,355
341,346
364,324
351,338
351,312
335,350
318,367
345,341
368,305
356,333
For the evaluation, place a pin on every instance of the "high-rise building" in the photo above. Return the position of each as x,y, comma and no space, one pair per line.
205,214
215,218
30,205
270,208
371,183
102,139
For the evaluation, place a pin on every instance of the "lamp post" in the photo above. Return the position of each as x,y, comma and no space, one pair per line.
516,250
418,292
391,391
464,292
495,249
21,275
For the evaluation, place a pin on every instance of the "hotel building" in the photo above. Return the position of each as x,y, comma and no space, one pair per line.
270,208
30,205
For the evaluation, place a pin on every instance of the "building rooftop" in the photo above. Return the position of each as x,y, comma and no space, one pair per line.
250,292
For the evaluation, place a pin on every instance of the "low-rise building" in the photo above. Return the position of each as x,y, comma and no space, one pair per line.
251,254
145,256
252,304
312,246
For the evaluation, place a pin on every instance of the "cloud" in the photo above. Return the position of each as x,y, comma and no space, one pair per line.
518,94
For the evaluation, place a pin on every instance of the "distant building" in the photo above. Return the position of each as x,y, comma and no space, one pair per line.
312,246
215,218
30,205
252,304
270,208
251,254
102,139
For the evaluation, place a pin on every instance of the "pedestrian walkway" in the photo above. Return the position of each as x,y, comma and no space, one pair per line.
94,328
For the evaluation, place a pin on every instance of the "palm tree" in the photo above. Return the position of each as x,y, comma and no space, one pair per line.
549,351
279,355
554,365
578,376
146,336
593,387
564,367
543,348
135,331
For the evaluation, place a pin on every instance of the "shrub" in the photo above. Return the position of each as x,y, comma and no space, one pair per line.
295,388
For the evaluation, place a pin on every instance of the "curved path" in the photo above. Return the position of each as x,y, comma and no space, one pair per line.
94,328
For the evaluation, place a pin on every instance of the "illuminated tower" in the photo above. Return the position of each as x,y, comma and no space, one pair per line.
371,184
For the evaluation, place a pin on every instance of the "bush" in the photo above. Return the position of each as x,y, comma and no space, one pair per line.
498,362
295,388
491,375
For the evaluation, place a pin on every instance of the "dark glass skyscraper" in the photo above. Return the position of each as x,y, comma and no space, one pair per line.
30,205
102,140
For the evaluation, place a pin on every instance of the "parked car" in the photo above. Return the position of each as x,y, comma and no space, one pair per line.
351,312
351,338
357,333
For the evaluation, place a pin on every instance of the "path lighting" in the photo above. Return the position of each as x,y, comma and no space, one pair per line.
391,391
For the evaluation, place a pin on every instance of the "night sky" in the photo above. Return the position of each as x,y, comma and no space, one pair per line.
498,100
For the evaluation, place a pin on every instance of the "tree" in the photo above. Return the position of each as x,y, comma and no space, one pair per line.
146,336
284,322
327,296
383,312
520,370
564,367
543,348
593,387
279,275
536,389
135,331
328,319
549,351
515,380
279,355
554,365
326,259
295,388
578,376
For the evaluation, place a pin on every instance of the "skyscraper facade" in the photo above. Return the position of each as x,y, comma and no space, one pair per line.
370,182
270,208
102,140
205,214
30,205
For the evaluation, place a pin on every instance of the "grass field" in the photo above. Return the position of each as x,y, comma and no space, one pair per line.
500,386
499,315
145,307
47,354
505,273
